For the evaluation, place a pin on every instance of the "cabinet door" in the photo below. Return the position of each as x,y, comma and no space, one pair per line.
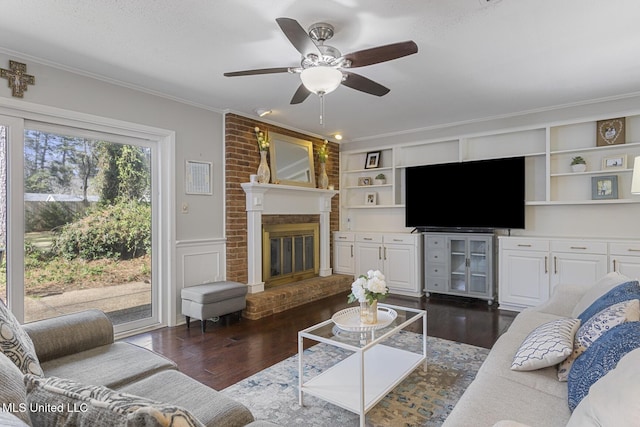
457,264
577,268
524,278
368,257
399,267
627,265
479,256
343,257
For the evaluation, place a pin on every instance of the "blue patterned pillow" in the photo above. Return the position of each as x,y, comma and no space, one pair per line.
624,292
601,357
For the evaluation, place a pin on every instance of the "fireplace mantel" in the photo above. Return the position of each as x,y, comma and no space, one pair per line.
274,199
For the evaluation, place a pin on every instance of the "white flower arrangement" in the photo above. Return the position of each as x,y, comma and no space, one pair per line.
370,287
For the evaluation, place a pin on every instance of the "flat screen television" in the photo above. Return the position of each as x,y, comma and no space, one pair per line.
476,195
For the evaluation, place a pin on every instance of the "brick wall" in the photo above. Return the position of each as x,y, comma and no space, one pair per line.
242,159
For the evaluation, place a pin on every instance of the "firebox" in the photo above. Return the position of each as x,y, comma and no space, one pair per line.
290,252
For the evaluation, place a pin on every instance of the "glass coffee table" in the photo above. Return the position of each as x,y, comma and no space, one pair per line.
379,357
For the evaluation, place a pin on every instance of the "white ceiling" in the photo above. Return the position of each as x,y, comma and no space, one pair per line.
476,58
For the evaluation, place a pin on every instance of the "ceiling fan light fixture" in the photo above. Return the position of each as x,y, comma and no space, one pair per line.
321,79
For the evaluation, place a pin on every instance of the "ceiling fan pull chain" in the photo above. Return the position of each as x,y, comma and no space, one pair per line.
321,108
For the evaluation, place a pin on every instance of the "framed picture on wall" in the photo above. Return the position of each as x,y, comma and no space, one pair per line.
604,187
373,160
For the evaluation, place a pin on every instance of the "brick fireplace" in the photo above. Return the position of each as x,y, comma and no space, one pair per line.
241,160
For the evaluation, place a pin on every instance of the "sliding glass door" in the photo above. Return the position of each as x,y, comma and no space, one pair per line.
79,225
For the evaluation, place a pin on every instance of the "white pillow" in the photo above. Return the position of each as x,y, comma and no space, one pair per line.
547,345
600,288
613,399
592,329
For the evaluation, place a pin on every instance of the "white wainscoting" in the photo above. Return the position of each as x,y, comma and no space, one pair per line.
198,261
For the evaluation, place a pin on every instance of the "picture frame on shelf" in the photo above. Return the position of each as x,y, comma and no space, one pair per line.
373,160
364,181
604,187
610,132
371,199
614,162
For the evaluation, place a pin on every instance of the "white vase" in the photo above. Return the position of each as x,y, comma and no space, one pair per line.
580,167
377,181
264,173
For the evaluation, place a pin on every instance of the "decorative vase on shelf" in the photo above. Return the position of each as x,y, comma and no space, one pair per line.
579,167
264,173
323,179
369,312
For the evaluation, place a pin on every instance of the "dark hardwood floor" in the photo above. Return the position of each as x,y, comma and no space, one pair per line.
228,353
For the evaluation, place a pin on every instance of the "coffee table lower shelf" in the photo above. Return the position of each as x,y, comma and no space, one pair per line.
382,369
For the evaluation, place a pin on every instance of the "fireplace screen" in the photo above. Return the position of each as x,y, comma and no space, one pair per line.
290,253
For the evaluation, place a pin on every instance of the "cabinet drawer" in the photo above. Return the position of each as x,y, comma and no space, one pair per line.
437,284
436,270
435,242
436,255
579,246
343,237
625,248
369,237
400,238
525,244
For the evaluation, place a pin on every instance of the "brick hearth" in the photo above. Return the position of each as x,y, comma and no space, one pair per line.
284,297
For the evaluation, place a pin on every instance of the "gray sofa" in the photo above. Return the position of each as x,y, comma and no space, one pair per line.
500,396
80,347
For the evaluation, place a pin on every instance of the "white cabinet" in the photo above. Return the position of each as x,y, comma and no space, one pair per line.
460,264
344,252
530,267
624,257
397,255
577,262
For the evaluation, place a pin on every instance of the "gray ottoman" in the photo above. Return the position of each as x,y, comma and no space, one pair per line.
213,300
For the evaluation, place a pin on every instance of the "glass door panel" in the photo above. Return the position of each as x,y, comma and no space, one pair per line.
458,264
87,226
478,268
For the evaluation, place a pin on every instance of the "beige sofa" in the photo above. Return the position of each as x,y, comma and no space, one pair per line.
500,396
86,374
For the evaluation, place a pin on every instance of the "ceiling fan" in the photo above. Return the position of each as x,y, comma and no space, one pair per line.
323,67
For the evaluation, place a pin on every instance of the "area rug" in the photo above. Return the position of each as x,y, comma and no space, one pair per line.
424,398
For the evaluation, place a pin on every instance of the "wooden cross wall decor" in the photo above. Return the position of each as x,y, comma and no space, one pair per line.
17,77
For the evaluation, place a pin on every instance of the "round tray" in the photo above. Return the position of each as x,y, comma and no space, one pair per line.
349,319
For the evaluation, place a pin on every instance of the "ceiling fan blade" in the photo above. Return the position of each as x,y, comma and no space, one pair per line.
258,71
379,54
301,94
298,36
363,84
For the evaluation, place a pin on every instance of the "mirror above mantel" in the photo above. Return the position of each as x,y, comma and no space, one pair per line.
291,161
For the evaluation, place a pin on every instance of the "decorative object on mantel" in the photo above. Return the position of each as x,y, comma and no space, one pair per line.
264,174
380,179
610,132
368,290
578,164
604,187
373,160
323,155
18,78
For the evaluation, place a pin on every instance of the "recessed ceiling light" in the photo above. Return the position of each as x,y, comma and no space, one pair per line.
262,112
338,136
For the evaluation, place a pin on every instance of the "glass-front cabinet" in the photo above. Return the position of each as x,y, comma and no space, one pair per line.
468,267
